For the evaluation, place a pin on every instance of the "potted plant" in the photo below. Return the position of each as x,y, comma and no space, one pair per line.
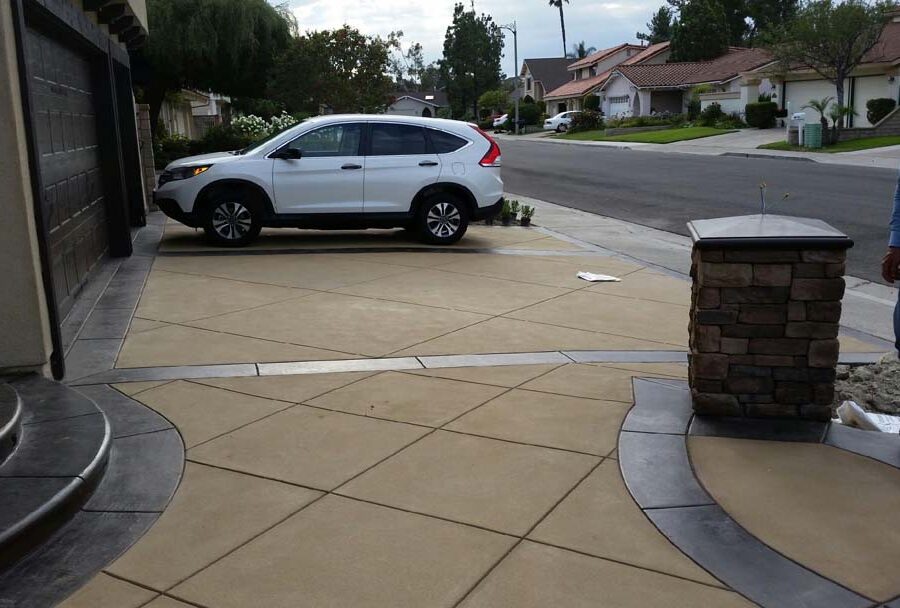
505,213
513,210
527,213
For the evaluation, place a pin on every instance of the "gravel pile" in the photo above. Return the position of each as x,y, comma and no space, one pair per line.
874,387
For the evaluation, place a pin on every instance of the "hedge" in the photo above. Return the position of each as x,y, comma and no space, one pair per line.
761,114
879,108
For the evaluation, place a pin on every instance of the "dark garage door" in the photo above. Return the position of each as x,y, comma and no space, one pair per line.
65,130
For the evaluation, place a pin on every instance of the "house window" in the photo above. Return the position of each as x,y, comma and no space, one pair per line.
528,83
619,99
593,70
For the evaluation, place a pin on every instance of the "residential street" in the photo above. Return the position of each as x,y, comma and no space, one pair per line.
665,191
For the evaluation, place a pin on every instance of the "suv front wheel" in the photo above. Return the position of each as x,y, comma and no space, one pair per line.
442,219
232,218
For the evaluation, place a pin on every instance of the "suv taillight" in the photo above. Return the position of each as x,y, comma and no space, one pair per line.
492,158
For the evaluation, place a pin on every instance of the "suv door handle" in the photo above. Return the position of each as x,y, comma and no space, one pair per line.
351,166
428,163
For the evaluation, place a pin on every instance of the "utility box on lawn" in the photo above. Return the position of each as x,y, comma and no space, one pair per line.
765,313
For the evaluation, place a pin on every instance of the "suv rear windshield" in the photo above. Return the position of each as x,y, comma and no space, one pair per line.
395,139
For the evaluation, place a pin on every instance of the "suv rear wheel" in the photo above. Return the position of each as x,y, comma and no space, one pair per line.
232,218
442,219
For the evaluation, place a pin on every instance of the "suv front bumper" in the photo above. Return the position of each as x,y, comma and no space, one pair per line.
173,210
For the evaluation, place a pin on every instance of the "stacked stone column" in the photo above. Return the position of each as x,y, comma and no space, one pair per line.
763,330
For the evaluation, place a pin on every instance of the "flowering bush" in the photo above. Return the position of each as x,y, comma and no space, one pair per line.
280,123
251,125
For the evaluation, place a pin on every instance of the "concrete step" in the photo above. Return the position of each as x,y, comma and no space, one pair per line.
10,420
59,457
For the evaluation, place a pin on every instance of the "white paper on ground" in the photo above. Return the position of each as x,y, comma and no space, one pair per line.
852,415
595,278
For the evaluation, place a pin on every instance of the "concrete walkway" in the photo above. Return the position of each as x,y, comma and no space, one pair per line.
478,485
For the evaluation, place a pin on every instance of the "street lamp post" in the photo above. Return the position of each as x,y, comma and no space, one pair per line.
512,28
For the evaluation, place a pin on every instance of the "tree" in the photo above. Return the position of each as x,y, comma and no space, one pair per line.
701,31
341,68
226,46
767,14
431,79
562,20
735,12
581,50
473,47
829,38
408,66
659,26
494,100
820,106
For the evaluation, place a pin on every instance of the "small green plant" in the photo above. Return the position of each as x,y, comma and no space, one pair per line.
506,212
514,209
527,214
711,114
820,106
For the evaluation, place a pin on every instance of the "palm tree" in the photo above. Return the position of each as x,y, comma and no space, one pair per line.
820,106
581,50
562,21
837,114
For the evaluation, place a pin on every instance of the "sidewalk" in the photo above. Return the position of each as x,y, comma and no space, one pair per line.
868,306
743,143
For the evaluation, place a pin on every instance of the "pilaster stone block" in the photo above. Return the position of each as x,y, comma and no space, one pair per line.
778,346
793,392
725,275
762,256
706,338
828,256
772,275
796,311
709,366
716,404
756,295
823,312
763,314
811,330
715,317
753,331
749,385
734,346
813,411
709,297
772,410
817,289
824,353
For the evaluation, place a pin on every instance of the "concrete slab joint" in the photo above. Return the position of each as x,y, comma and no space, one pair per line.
765,315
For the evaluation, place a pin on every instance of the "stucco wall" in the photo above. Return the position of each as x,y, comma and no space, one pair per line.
24,327
408,107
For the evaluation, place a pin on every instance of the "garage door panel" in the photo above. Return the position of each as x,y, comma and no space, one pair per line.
68,147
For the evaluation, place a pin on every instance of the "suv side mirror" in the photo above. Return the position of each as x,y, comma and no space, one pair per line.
288,154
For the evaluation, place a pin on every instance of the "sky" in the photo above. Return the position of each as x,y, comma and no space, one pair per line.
600,23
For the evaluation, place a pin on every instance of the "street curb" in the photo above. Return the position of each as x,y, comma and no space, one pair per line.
769,156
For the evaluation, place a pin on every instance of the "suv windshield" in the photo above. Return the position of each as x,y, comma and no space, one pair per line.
265,140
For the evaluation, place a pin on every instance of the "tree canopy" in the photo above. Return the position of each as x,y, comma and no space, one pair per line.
659,27
226,46
341,68
701,31
830,38
473,48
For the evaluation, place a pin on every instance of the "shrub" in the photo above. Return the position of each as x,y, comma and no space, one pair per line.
731,121
529,112
588,120
711,114
693,108
646,121
761,114
879,108
542,106
168,148
592,102
221,138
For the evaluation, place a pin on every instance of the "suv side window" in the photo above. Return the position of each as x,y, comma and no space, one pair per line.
445,143
331,140
390,139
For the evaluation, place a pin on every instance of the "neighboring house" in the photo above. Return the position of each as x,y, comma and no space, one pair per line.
878,76
71,185
215,111
539,76
177,112
417,103
642,89
588,75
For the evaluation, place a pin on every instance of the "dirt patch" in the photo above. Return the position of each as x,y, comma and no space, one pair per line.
874,387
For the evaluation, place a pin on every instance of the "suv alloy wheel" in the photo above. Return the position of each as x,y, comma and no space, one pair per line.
442,219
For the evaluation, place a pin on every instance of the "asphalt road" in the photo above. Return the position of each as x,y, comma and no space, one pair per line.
665,190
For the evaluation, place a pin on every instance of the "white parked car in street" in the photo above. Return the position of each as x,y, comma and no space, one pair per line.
429,175
500,121
560,122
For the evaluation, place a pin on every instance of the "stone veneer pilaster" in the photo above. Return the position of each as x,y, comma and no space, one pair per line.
764,322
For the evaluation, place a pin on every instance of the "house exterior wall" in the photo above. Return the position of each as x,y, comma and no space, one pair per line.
614,101
409,107
24,320
866,88
178,118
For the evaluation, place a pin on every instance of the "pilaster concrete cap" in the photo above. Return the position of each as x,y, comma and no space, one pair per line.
767,232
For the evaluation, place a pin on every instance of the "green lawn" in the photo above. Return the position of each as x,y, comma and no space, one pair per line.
666,136
866,143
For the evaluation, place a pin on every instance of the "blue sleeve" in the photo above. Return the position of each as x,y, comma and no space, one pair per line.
895,219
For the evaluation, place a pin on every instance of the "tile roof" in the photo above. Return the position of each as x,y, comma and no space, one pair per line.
721,69
648,53
577,88
438,98
601,55
887,49
549,71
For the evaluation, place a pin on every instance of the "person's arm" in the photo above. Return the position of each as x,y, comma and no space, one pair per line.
890,265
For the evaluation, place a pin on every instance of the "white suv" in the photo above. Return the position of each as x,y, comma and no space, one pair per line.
341,172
